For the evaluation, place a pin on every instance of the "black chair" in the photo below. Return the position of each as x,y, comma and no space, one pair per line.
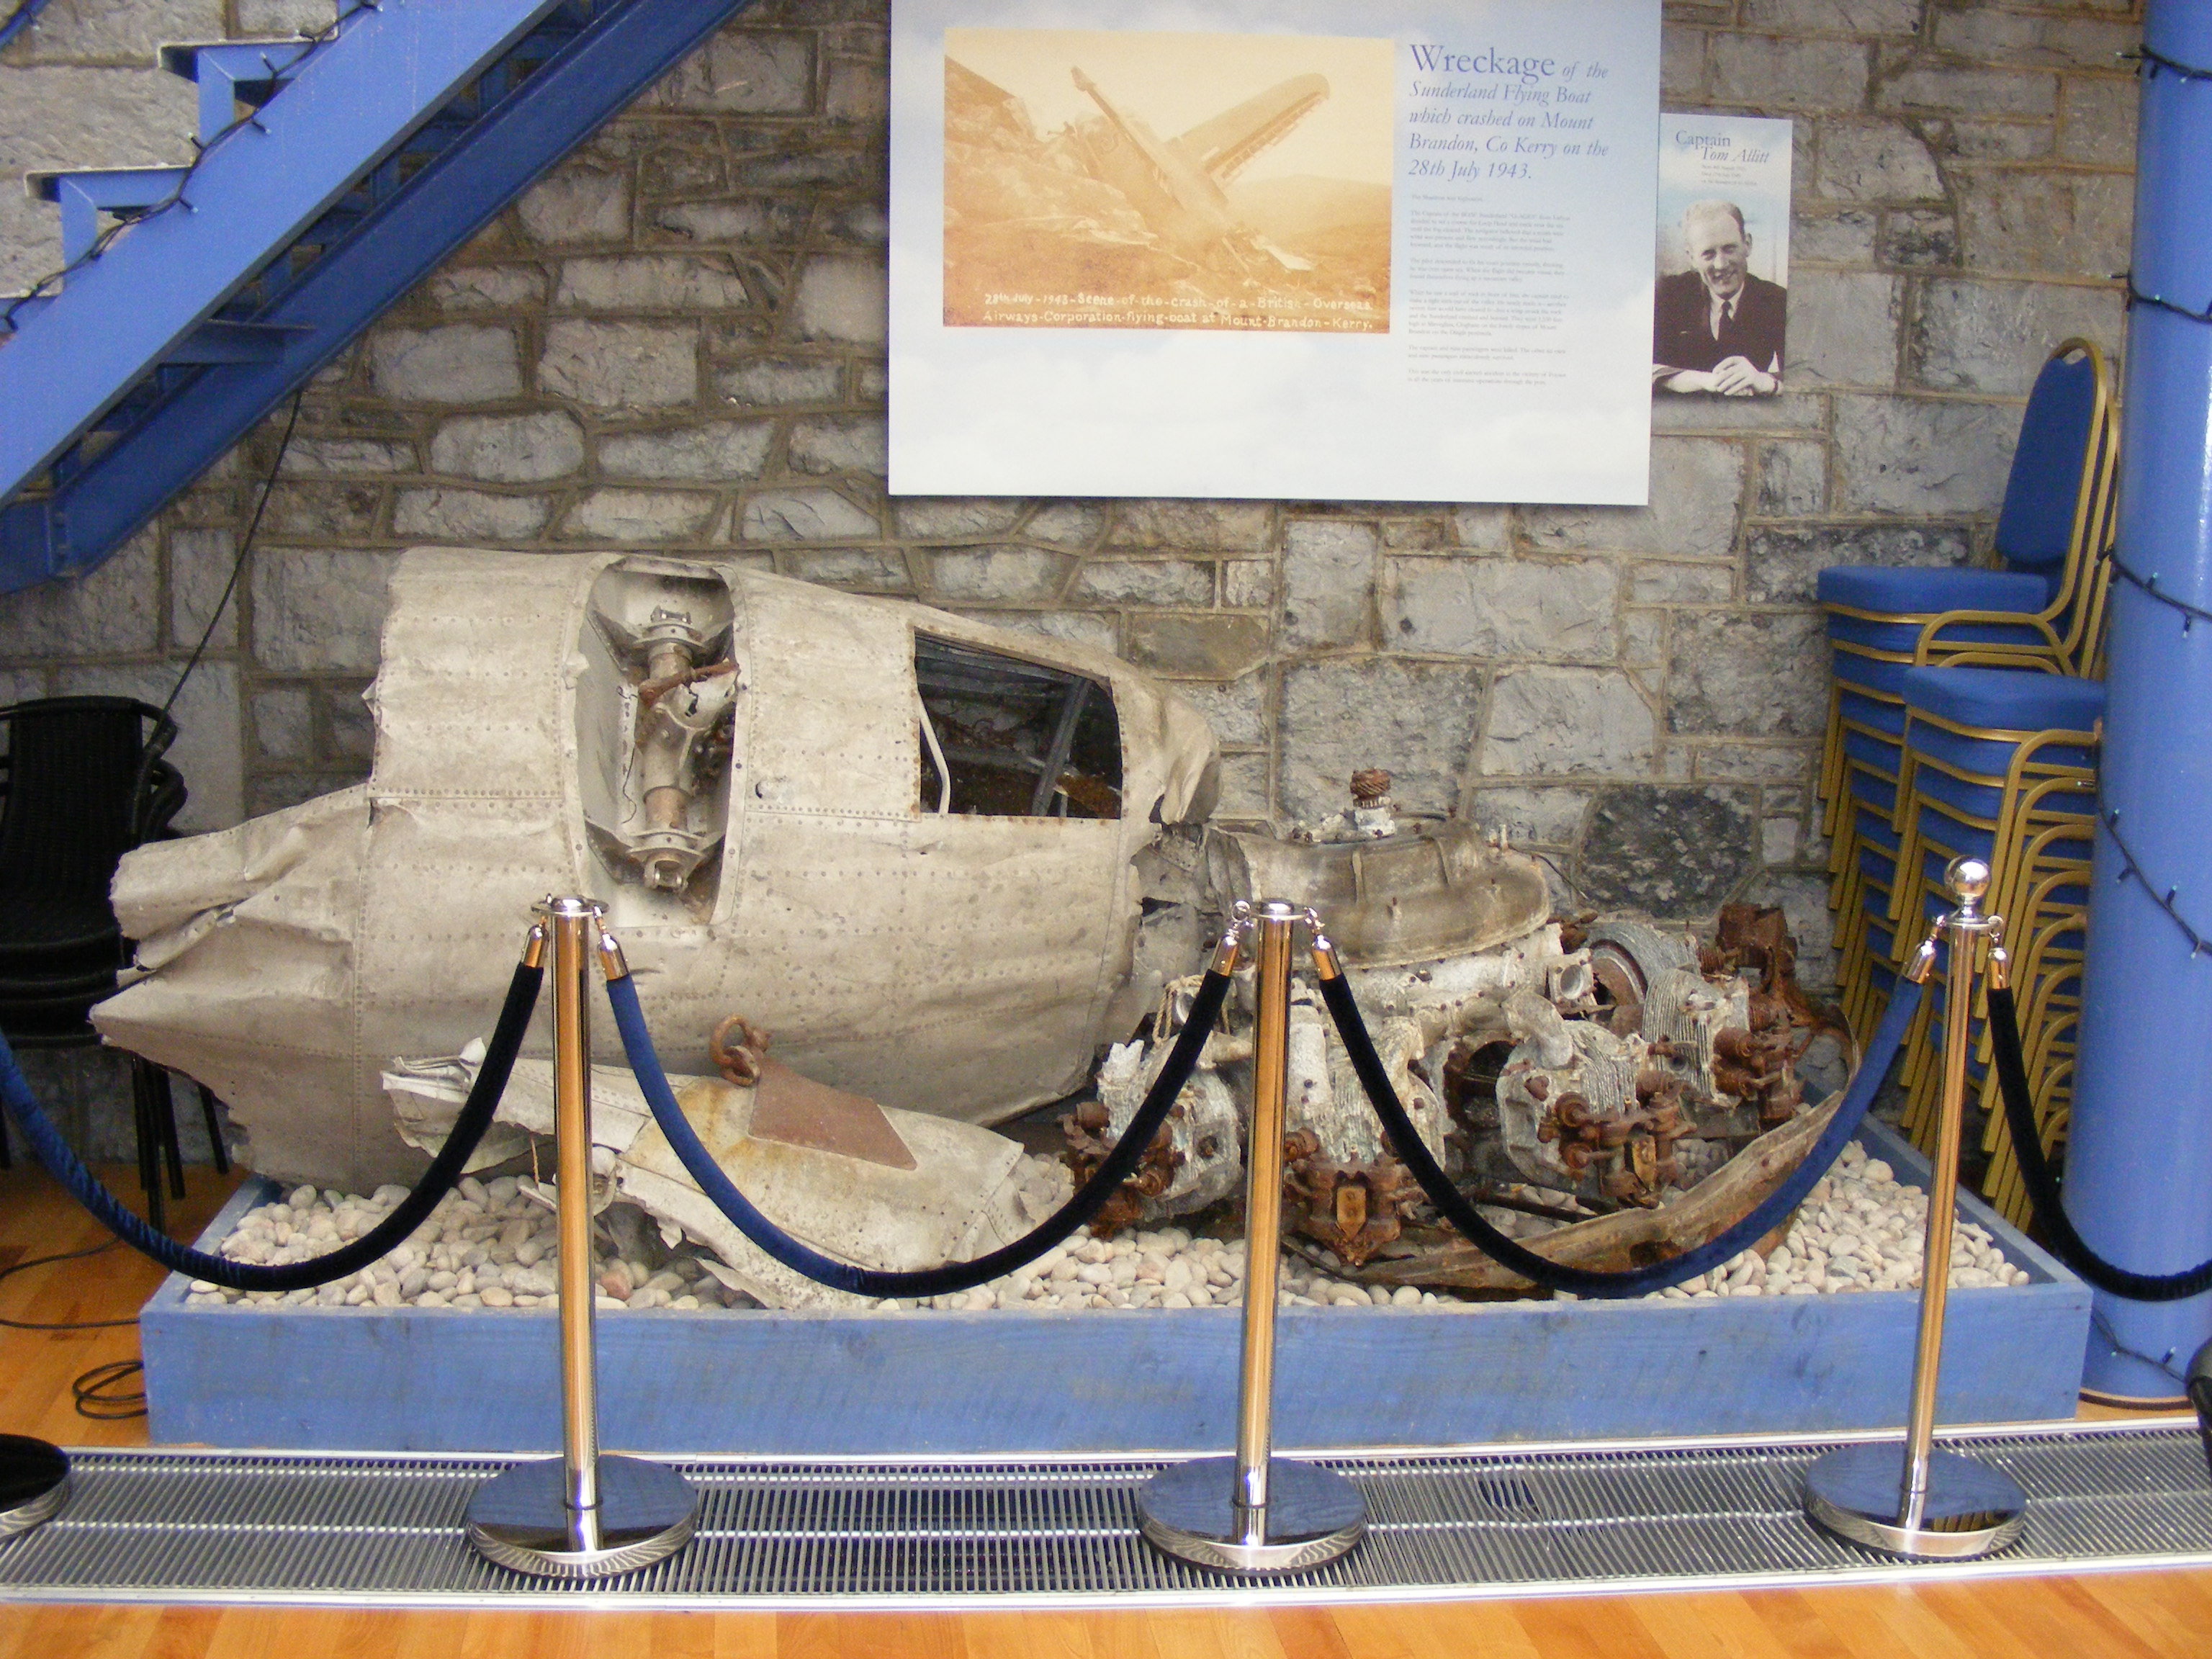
84,781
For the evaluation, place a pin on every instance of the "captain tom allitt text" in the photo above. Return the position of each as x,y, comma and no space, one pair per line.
1716,327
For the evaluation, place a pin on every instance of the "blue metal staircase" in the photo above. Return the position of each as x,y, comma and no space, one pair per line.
334,173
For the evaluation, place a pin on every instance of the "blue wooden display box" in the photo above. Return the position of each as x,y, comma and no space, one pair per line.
775,1383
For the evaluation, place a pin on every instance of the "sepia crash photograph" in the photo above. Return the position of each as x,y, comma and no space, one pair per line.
1151,180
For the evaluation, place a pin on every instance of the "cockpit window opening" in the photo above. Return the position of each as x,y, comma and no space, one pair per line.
1002,737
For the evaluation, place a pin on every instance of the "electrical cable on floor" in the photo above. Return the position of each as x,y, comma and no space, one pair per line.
67,1325
93,1398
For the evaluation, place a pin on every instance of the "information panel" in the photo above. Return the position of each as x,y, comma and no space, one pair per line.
1367,250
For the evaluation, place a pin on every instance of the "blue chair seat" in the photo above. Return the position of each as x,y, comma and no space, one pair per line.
1917,590
1861,710
1887,679
2006,699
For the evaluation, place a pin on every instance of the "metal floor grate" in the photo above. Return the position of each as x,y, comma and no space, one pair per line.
383,1529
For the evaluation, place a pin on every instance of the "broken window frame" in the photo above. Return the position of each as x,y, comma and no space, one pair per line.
1082,714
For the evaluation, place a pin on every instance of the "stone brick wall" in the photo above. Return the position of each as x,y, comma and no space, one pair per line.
677,342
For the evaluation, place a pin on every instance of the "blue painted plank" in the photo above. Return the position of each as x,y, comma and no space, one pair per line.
434,1379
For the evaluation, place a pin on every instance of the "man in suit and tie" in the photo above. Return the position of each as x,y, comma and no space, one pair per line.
1715,328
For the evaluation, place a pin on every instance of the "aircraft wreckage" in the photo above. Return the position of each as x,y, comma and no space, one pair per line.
886,876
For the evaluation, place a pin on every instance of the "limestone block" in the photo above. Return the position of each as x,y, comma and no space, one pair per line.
2067,223
1328,582
109,611
1889,17
56,117
1845,237
1843,329
863,224
1876,161
1681,65
1920,238
1777,840
857,92
1548,818
621,365
1484,529
1669,851
841,298
1567,722
1084,628
1778,74
284,723
1221,646
715,451
320,608
1992,336
1146,582
1244,795
850,443
509,448
1920,456
1783,563
114,31
866,569
806,515
1554,610
274,17
1955,91
682,282
210,749
930,518
2028,139
1415,720
779,382
322,508
1695,487
1236,710
1248,584
1756,762
487,287
1428,534
742,72
576,204
1786,411
1753,674
639,515
755,219
1793,478
353,729
2097,119
1015,575
452,363
462,516
1643,637
1987,36
1681,584
1067,524
343,456
200,563
1229,526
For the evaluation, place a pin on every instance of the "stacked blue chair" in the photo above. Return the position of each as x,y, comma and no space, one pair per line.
1999,764
2040,612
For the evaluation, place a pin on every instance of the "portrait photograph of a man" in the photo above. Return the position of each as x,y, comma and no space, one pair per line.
1720,310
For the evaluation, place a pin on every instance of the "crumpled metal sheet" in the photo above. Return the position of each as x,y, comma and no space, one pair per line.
964,967
962,1198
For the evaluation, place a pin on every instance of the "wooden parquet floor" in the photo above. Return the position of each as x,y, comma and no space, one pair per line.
2085,1616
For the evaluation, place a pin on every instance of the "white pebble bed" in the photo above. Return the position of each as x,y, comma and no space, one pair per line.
491,1244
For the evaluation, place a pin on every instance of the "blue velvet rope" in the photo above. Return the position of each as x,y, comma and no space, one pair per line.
411,1212
1507,1252
1120,1165
23,17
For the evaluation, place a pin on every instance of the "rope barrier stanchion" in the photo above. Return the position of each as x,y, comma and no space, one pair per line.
581,1515
1256,1512
1908,1499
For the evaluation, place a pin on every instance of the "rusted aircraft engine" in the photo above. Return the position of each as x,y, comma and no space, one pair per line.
903,843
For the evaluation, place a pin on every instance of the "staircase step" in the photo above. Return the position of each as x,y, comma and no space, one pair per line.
232,72
83,196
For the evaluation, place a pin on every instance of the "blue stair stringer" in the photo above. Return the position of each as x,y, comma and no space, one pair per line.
369,158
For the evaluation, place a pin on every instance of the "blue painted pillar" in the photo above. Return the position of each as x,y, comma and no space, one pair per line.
2139,1164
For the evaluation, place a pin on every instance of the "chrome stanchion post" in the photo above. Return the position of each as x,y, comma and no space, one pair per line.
1256,1512
584,1516
1910,1499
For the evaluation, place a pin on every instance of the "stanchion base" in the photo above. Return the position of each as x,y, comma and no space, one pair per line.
34,1482
1314,1514
646,1511
1972,1508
